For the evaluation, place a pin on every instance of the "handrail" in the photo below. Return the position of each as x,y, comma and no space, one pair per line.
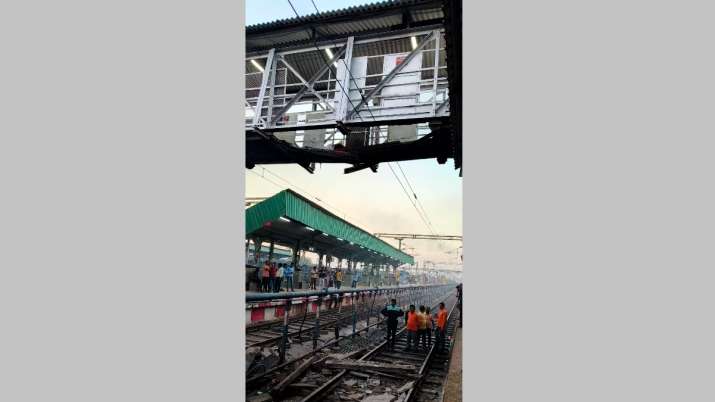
325,292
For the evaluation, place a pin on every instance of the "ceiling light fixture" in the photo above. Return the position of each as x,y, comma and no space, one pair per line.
255,64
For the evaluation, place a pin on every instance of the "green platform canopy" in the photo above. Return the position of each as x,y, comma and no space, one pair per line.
290,219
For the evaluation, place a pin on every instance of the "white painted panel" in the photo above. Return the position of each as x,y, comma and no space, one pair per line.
409,79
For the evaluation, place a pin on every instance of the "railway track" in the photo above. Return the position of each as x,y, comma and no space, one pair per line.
309,379
335,315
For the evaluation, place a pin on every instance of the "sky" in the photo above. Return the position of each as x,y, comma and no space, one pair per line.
259,11
374,201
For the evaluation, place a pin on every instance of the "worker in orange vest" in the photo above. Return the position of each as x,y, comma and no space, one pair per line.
441,317
412,319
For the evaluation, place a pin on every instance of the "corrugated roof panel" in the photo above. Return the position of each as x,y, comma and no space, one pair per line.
372,7
360,25
290,204
267,210
276,39
381,16
427,14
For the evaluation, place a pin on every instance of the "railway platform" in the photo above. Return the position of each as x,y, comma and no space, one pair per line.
262,308
453,385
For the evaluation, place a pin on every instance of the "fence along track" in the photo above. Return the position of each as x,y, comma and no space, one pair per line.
271,333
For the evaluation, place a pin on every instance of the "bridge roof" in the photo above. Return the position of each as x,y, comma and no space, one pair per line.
353,21
287,217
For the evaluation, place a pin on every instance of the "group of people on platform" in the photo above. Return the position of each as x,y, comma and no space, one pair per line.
276,277
271,276
420,326
321,278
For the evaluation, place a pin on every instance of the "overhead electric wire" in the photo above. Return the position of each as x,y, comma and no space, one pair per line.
308,193
315,43
347,68
422,213
409,198
266,179
414,193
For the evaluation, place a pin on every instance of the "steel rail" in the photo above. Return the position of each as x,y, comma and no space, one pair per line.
428,359
332,382
262,375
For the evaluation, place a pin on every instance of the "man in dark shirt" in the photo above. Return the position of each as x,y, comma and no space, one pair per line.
393,312
272,277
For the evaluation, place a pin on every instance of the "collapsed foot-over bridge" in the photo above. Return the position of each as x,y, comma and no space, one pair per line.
360,86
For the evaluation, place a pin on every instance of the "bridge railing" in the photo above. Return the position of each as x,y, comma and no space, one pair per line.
391,85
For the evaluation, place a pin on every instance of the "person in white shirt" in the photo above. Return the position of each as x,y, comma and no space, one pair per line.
279,279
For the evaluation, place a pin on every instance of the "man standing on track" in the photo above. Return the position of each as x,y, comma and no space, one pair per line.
393,312
412,327
441,316
422,331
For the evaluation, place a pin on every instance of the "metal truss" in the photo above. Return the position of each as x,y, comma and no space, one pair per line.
353,99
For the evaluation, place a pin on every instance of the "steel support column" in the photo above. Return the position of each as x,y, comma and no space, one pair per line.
436,72
264,84
341,113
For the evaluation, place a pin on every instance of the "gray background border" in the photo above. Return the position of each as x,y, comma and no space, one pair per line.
121,217
589,201
588,194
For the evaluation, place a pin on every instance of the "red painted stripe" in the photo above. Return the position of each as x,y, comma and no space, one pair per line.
258,314
280,311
